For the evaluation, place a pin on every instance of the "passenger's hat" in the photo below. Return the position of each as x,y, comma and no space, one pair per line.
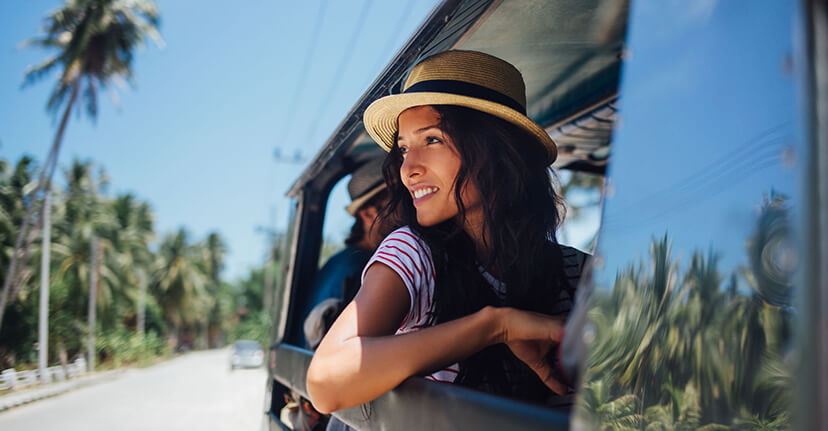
462,78
365,183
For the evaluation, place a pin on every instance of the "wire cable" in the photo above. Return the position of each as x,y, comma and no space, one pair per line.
303,75
392,41
343,64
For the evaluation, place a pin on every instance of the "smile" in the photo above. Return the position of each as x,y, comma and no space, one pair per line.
423,193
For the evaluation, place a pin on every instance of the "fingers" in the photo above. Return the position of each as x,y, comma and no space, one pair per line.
535,326
555,385
544,371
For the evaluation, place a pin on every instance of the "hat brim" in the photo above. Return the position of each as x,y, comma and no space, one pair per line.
380,118
354,206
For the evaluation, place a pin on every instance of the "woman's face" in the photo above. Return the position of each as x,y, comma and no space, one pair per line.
429,168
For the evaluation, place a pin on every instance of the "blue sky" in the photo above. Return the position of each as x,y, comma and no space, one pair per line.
196,134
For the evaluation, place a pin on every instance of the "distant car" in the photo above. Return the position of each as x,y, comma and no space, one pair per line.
246,354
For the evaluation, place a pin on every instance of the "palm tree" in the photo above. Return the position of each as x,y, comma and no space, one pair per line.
16,181
215,249
181,283
619,414
94,40
15,185
80,250
679,351
130,235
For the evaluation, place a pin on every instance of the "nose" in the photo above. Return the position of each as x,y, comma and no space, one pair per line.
412,165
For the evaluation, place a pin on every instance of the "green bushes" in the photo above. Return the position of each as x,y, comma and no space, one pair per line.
121,346
256,326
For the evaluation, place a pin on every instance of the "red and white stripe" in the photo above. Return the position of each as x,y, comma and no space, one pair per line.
405,252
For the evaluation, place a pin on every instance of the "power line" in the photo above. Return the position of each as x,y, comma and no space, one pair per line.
392,41
343,62
303,75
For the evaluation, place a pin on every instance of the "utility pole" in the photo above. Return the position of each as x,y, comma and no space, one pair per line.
268,286
93,290
43,322
270,234
142,292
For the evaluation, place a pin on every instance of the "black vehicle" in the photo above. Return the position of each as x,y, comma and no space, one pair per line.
705,304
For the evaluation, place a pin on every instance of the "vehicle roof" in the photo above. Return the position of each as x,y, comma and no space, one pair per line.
568,51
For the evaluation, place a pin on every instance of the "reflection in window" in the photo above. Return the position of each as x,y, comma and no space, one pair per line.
680,346
690,320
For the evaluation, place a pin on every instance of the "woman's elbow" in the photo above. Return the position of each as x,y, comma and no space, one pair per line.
321,395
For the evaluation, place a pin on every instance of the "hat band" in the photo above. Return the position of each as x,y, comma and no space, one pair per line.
461,88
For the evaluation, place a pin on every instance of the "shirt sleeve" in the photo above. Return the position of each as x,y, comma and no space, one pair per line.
405,254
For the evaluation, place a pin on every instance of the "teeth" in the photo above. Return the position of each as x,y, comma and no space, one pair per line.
424,191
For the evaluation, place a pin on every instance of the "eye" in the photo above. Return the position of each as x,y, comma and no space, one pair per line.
433,140
403,149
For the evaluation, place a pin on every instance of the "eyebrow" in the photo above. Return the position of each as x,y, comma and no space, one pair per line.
421,130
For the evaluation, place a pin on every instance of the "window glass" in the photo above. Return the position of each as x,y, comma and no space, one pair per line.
337,221
692,312
331,270
582,195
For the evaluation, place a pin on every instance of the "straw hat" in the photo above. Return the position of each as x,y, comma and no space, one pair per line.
365,183
462,78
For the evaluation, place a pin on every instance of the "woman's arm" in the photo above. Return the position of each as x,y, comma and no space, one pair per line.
360,359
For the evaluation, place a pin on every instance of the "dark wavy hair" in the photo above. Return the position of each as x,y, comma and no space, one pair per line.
521,212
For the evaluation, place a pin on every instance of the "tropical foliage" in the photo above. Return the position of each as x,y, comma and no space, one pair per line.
174,281
91,43
695,348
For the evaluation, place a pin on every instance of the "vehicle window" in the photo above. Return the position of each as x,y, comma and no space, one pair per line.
336,267
582,194
337,221
693,310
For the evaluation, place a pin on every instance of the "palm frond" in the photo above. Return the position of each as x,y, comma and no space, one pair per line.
36,73
95,39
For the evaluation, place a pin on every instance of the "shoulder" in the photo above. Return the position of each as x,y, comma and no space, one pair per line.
404,239
405,252
405,232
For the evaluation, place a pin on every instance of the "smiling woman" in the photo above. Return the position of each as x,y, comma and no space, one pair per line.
430,166
465,287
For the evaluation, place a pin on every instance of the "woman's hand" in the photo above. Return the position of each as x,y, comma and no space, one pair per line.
531,336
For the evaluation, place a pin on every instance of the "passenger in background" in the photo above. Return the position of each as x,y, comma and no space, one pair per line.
338,281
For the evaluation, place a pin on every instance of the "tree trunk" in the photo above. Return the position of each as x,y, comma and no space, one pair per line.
142,292
268,282
205,339
44,183
93,293
22,276
43,320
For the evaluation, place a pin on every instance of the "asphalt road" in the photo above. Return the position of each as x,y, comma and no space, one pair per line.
196,391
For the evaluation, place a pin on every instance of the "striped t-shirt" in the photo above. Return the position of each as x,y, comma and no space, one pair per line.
405,252
408,255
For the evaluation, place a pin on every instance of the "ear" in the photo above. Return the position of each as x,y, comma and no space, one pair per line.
367,214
